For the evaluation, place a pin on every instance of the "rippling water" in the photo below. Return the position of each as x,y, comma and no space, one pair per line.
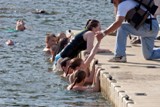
25,77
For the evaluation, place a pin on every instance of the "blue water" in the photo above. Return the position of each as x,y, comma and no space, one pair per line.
26,79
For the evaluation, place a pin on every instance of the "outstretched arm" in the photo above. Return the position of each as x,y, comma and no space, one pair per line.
96,82
92,53
90,40
113,27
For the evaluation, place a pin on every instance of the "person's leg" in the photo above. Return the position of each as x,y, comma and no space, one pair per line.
147,48
121,39
144,32
149,52
120,44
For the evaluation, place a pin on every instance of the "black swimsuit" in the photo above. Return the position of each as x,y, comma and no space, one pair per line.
75,46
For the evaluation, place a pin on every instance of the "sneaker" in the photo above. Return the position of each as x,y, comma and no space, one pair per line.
137,41
158,38
119,59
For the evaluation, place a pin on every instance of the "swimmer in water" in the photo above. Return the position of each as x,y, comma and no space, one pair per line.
20,25
41,11
9,42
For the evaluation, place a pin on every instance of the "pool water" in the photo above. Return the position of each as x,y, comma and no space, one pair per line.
26,79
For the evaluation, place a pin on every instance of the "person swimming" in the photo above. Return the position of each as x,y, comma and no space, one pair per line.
79,81
50,40
9,42
40,11
20,26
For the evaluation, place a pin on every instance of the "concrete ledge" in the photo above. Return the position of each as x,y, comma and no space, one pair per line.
132,84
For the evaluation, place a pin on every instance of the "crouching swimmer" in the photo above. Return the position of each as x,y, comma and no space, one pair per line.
82,41
80,76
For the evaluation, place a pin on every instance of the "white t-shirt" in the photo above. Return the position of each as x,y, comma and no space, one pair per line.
125,6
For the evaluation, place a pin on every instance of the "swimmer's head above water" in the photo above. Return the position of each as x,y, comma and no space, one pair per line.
20,25
9,42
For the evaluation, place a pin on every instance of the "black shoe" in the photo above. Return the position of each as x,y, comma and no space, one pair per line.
158,38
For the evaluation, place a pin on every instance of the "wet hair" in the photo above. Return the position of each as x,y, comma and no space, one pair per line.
20,25
49,35
79,76
61,44
91,24
75,62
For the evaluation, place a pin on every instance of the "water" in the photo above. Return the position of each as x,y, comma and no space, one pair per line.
25,77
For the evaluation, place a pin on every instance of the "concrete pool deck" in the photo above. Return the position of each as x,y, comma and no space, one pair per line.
132,84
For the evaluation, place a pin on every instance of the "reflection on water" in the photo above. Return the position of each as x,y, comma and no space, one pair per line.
24,77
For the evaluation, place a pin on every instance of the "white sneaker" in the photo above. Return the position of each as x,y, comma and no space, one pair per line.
119,59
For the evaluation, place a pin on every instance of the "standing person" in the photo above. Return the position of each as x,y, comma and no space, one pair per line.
147,32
